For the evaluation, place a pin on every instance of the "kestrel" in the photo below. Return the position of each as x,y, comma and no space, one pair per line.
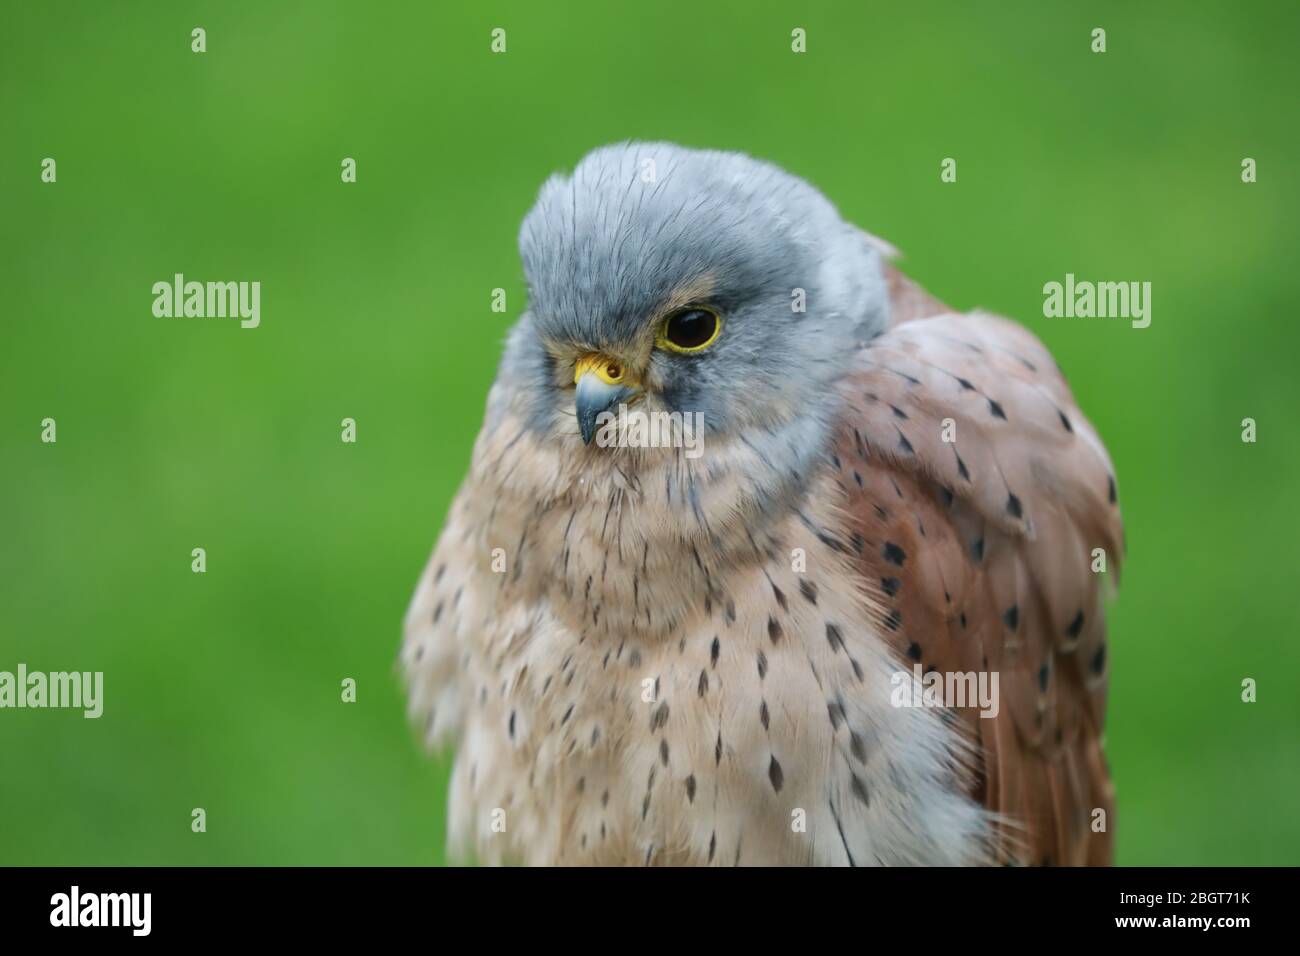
644,656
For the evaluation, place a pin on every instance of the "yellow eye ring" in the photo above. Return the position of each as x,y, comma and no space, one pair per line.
689,330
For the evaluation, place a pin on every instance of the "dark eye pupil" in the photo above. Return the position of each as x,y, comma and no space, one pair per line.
691,329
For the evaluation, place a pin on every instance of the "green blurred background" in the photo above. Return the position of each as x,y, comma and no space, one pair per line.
223,689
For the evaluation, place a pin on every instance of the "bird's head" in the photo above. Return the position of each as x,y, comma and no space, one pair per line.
686,281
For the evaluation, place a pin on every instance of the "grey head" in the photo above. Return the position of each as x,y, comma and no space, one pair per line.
691,281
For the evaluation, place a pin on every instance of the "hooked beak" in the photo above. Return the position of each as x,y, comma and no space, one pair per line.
602,385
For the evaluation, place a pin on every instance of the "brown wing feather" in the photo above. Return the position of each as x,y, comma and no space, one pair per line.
981,549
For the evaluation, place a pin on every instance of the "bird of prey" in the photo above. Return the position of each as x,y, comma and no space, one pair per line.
647,656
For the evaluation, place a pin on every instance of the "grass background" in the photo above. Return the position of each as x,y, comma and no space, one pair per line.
222,689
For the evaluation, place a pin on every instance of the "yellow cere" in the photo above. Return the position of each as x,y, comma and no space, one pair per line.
606,369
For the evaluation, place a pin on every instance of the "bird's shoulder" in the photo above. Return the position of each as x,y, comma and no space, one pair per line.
982,506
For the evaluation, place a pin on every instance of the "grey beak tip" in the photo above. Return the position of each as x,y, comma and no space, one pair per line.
592,399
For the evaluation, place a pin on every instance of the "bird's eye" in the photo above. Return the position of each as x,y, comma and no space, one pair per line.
690,330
